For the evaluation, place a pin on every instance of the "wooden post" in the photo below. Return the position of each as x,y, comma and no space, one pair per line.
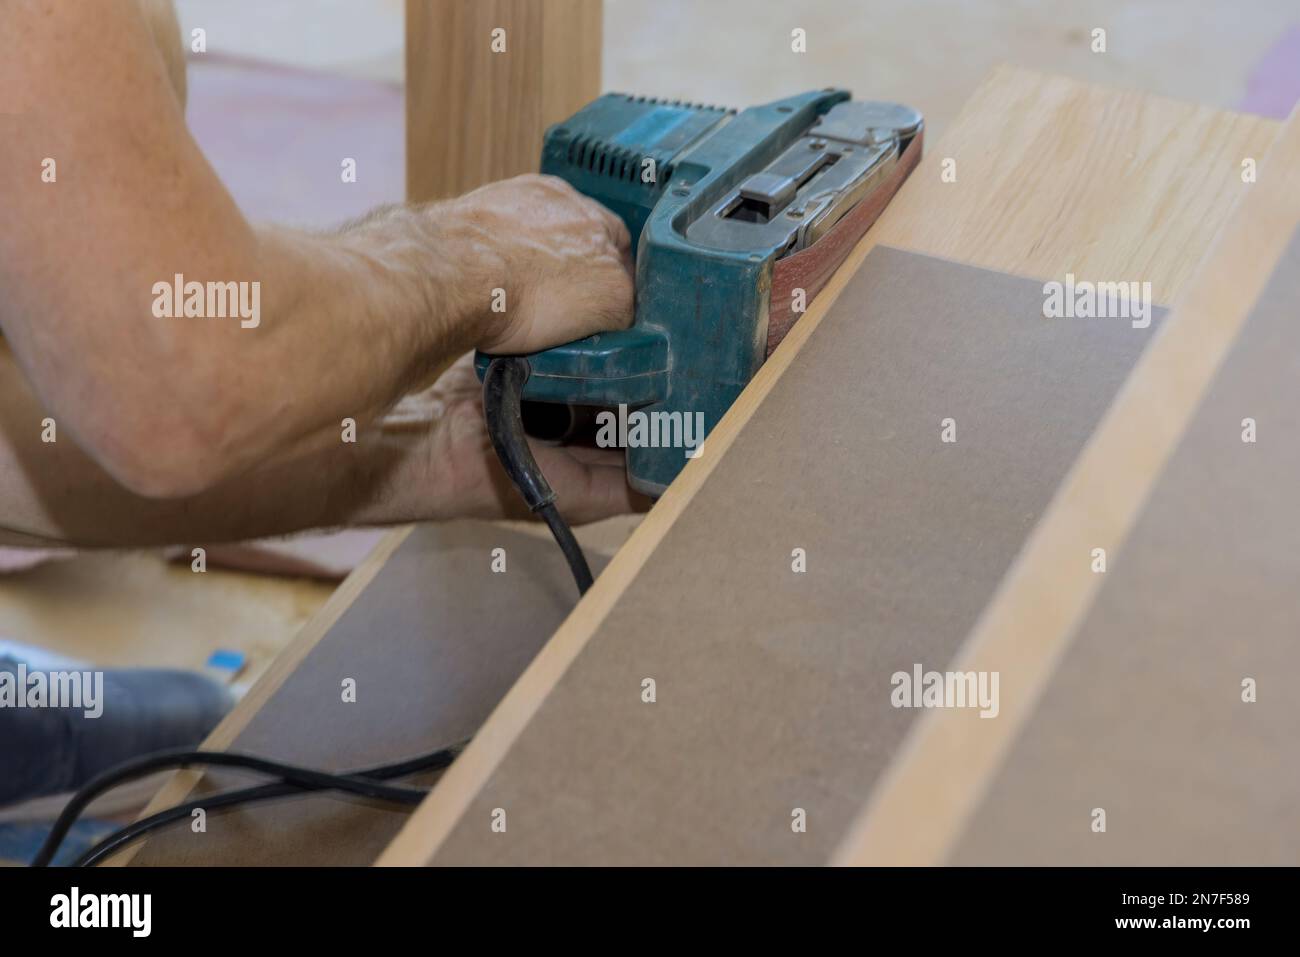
484,78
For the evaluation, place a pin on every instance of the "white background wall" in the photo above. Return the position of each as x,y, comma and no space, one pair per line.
930,53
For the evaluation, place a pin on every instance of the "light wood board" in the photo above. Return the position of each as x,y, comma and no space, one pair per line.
429,648
771,683
1040,164
1123,692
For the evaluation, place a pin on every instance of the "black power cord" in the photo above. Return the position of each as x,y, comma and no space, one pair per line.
569,546
293,776
503,386
503,389
433,761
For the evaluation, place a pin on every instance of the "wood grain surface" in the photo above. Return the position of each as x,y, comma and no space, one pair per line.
1052,176
1024,636
474,115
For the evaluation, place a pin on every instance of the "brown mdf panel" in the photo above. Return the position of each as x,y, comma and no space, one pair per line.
1145,718
286,664
473,115
432,646
916,815
1015,120
772,686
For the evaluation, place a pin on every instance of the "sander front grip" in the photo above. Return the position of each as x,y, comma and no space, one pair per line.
811,269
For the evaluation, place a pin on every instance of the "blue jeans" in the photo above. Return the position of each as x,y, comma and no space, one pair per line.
47,750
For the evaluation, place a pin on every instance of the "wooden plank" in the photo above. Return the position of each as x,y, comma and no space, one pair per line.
474,115
265,720
430,646
1105,184
1162,456
772,685
1018,126
179,786
1147,718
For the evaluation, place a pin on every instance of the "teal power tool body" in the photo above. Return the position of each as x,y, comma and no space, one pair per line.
713,199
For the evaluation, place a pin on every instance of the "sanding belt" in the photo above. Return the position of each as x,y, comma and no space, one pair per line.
811,269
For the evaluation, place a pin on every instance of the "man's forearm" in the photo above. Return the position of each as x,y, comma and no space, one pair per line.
51,492
343,323
182,348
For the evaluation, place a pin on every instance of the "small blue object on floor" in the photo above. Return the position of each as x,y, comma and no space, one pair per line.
226,665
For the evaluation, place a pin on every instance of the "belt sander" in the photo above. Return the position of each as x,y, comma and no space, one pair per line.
738,220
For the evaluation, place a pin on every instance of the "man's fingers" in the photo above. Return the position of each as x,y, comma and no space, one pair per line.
605,300
595,455
606,494
590,484
617,231
568,262
614,302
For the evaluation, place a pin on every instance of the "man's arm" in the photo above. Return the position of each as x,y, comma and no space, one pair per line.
54,493
176,407
430,460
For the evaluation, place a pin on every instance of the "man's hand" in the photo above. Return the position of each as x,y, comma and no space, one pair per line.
460,475
430,458
566,261
513,267
231,410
